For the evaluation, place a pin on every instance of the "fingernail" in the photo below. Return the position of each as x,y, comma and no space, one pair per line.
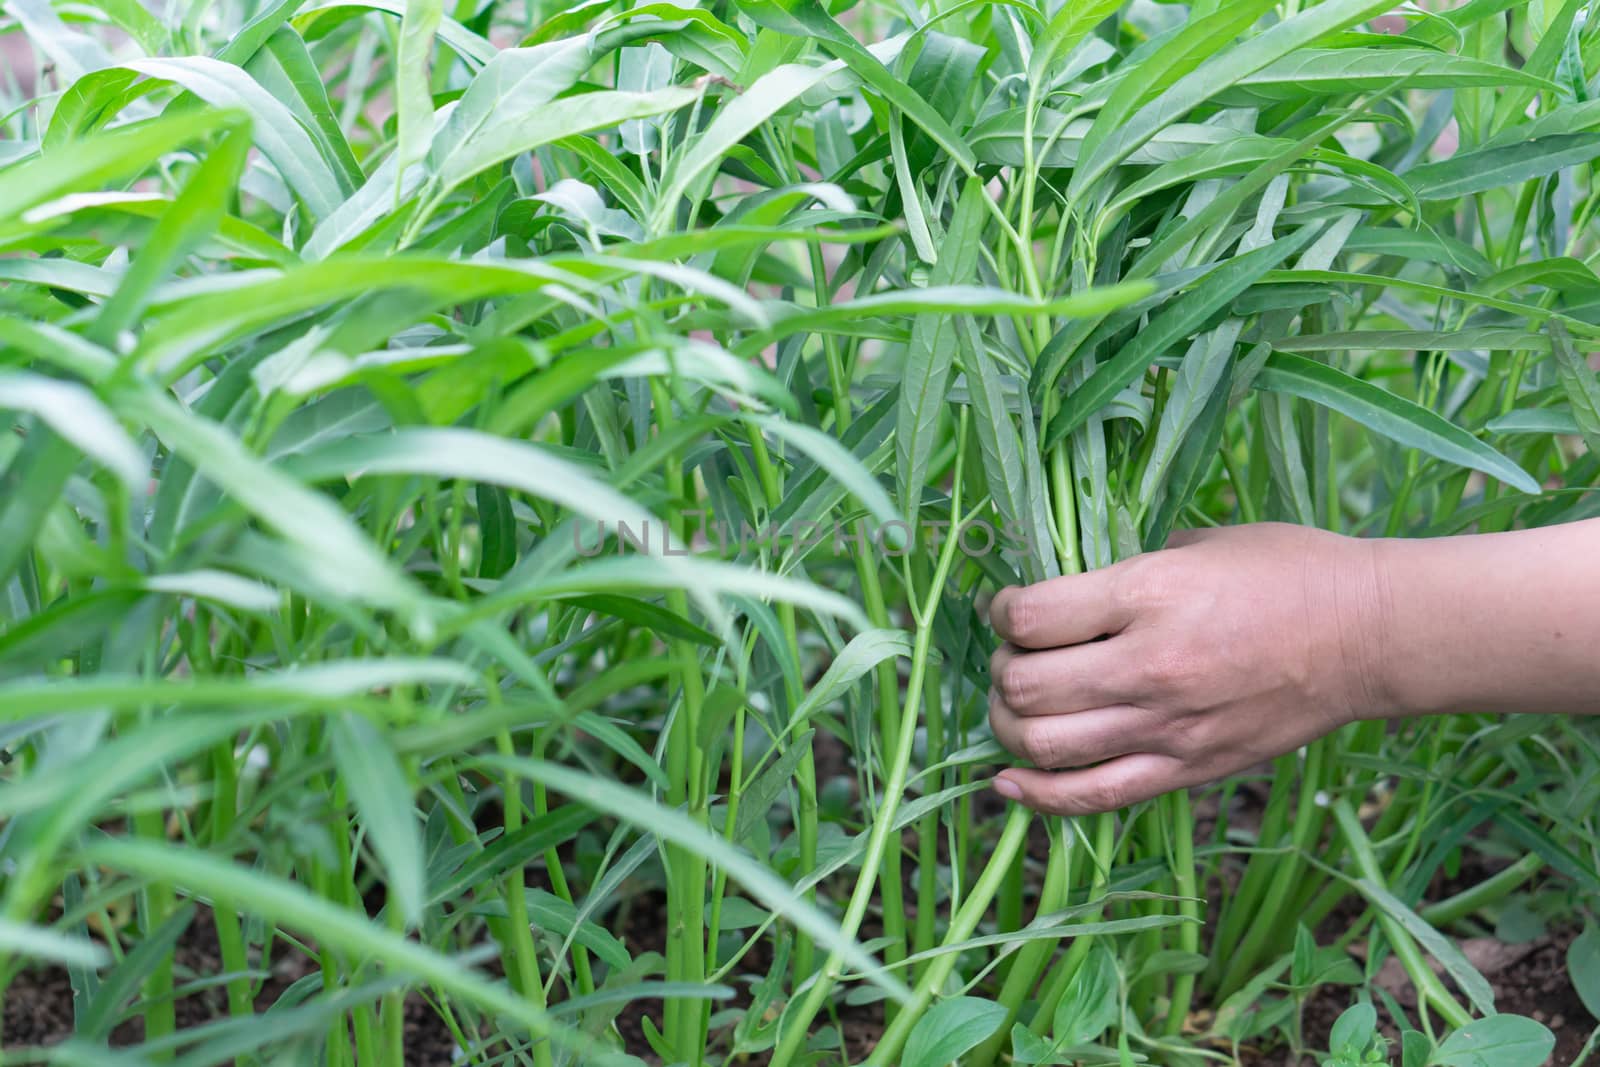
1006,788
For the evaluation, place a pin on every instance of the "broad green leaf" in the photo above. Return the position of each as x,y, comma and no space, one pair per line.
1496,1041
1353,1031
1092,1001
1402,421
1583,967
950,1029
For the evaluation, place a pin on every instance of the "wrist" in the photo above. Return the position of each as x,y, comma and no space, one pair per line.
1368,628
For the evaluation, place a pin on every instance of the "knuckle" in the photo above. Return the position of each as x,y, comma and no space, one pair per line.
1137,583
1106,795
1039,745
1171,672
1016,686
1021,616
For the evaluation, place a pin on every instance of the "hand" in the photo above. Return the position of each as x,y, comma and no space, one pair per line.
1179,667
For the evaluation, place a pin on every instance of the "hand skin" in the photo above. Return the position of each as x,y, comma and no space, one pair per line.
1236,645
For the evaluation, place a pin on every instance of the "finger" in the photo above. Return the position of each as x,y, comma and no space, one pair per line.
1089,737
1060,681
1108,787
1062,611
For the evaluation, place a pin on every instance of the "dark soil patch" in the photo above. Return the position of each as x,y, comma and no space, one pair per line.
1535,985
38,1008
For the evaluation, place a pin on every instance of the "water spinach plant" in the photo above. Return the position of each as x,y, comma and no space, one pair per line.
500,503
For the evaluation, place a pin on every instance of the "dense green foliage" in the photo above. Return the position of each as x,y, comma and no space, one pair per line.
338,338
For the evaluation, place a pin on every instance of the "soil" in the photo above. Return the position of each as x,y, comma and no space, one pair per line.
1528,980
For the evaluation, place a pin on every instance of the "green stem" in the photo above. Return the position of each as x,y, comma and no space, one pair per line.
1491,890
965,922
1180,818
796,1028
1429,989
160,1009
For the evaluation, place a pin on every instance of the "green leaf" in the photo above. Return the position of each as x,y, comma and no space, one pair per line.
1580,384
1196,41
1176,324
675,827
950,1029
1353,1031
864,652
522,126
285,67
1402,421
931,352
769,94
412,74
330,545
1326,71
1091,1003
377,784
1203,372
276,131
1466,976
838,461
97,1019
78,416
41,943
297,908
761,794
1484,337
1497,1041
93,161
1071,23
1215,75
194,216
1502,165
1583,967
